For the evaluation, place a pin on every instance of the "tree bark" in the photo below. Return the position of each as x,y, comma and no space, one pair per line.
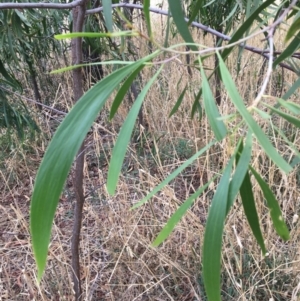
36,91
188,62
78,20
128,12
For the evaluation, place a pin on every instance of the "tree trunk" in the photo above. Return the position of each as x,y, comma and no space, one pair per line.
128,12
37,95
188,62
78,20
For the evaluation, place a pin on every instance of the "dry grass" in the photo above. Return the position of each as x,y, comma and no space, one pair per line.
117,260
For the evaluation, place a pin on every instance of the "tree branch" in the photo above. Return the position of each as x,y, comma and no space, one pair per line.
152,9
11,5
161,12
137,6
205,28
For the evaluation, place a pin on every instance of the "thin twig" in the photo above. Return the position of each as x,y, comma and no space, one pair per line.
270,37
34,101
14,233
213,31
161,12
269,71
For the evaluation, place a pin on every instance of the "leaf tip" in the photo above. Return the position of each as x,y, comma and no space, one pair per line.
286,236
155,244
40,275
111,188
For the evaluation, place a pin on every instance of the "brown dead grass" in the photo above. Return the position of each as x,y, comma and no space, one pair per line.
117,260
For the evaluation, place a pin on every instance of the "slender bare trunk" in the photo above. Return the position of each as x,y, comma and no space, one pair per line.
135,90
188,62
78,20
36,91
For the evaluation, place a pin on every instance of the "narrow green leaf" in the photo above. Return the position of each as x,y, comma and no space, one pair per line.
178,102
245,26
288,51
196,105
107,11
167,30
175,7
59,156
289,93
293,11
122,91
259,134
293,29
243,158
263,114
17,25
9,79
292,90
275,211
22,17
230,15
73,35
291,119
213,237
69,68
250,211
177,216
173,175
289,105
229,117
291,145
10,40
120,147
146,10
295,161
211,110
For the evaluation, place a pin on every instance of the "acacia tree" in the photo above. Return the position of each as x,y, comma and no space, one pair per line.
235,177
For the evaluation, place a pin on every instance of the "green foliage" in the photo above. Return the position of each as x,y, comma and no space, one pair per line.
108,15
211,110
250,211
173,175
213,237
215,14
178,102
275,211
120,148
294,28
122,92
256,129
177,216
15,117
147,16
178,16
289,50
59,156
246,25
